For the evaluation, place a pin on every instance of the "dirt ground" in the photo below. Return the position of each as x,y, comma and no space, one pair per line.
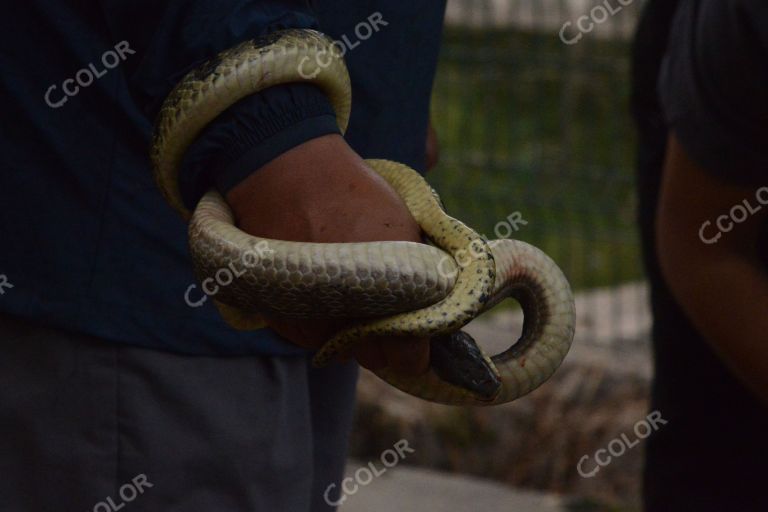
599,393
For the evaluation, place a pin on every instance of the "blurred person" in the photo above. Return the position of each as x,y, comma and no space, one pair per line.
700,101
115,368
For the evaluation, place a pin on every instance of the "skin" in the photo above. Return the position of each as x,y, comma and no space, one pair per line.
322,191
723,287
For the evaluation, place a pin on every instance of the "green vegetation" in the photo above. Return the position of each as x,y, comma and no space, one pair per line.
529,124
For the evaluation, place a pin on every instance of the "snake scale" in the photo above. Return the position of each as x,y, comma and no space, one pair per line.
387,288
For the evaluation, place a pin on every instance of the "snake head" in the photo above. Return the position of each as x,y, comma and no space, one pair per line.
457,359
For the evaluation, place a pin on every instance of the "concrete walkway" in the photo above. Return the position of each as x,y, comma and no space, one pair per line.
406,489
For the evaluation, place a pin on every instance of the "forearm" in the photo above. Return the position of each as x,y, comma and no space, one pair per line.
722,285
725,296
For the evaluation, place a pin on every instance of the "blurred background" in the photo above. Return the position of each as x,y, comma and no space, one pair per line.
536,143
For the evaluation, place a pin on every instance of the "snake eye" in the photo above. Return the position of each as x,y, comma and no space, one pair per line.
457,359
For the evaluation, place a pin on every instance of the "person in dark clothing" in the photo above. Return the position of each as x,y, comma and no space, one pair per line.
700,101
119,381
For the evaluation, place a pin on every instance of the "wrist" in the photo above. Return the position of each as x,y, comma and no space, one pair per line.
251,133
278,197
321,191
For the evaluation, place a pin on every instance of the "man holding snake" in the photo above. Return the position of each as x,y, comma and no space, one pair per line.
107,373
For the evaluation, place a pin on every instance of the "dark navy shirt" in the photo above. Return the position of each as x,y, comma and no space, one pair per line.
88,244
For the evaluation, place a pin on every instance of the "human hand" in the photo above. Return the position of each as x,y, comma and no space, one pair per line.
322,191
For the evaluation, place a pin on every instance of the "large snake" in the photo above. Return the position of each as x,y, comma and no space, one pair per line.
388,288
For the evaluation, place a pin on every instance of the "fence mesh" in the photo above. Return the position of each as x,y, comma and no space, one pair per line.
534,128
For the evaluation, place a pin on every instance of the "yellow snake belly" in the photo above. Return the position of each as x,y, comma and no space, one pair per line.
389,288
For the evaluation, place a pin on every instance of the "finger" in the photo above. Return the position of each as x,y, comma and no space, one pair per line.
309,334
370,355
406,356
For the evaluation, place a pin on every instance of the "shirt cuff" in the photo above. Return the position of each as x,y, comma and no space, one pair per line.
251,133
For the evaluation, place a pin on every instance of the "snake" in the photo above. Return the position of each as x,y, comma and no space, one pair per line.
383,289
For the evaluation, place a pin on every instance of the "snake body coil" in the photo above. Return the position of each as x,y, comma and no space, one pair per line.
392,288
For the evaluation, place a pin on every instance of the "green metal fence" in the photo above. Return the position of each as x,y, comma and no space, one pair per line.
530,124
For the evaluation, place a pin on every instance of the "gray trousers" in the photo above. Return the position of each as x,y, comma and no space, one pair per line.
87,425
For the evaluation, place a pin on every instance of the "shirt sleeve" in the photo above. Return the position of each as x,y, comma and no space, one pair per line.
714,86
253,131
